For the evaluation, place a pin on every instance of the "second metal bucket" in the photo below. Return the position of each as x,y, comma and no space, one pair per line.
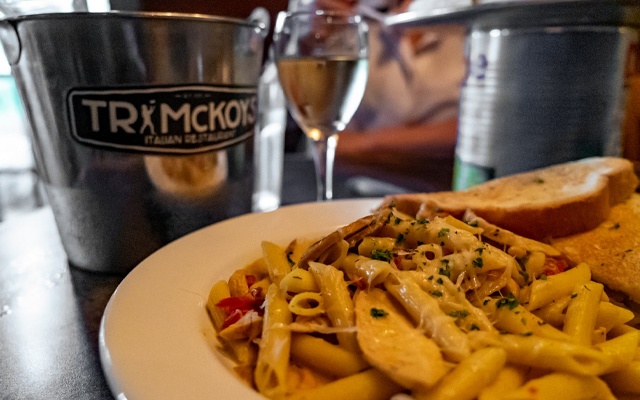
142,124
536,96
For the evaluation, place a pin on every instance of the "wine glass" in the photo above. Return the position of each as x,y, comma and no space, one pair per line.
322,65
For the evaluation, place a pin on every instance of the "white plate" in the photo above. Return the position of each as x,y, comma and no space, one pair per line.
156,340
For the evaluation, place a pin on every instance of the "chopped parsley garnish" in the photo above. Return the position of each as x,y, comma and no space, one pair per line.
436,293
440,281
527,334
388,217
378,313
479,250
524,274
573,296
474,327
478,263
446,268
510,301
381,255
615,226
459,314
524,259
397,220
422,221
443,232
543,277
400,238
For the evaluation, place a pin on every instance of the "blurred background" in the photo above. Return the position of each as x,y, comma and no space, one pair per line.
395,164
402,138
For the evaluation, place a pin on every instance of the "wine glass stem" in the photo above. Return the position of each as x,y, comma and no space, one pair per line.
324,153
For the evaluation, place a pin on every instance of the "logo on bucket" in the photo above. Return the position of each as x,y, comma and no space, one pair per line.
178,119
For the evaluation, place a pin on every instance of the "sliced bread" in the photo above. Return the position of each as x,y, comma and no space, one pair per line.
612,249
554,201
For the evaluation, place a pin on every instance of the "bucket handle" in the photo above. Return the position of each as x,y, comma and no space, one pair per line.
10,41
260,16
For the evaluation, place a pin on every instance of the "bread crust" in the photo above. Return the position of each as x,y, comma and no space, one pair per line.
560,220
555,201
612,249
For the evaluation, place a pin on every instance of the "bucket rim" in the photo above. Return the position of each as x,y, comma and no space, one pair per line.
140,15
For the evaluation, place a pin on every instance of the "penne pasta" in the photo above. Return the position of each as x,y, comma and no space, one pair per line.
509,378
562,386
257,268
580,319
511,317
456,223
308,304
610,315
219,291
326,358
535,263
371,272
298,281
276,259
270,374
238,285
470,377
545,291
297,247
553,313
367,385
337,302
621,349
372,245
626,381
555,355
390,307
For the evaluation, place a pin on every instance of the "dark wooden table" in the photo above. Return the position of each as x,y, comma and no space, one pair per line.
50,313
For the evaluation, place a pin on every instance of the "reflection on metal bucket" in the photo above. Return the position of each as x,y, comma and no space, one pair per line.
188,176
142,125
539,96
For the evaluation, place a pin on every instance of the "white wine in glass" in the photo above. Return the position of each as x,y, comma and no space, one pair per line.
323,68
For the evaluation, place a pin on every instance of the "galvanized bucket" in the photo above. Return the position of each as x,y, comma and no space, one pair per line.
537,96
142,124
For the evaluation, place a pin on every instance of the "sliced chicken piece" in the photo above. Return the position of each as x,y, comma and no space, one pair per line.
383,335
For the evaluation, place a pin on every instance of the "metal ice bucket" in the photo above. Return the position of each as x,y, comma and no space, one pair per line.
548,81
537,96
142,124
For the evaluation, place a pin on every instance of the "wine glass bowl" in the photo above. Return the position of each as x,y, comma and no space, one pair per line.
323,68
